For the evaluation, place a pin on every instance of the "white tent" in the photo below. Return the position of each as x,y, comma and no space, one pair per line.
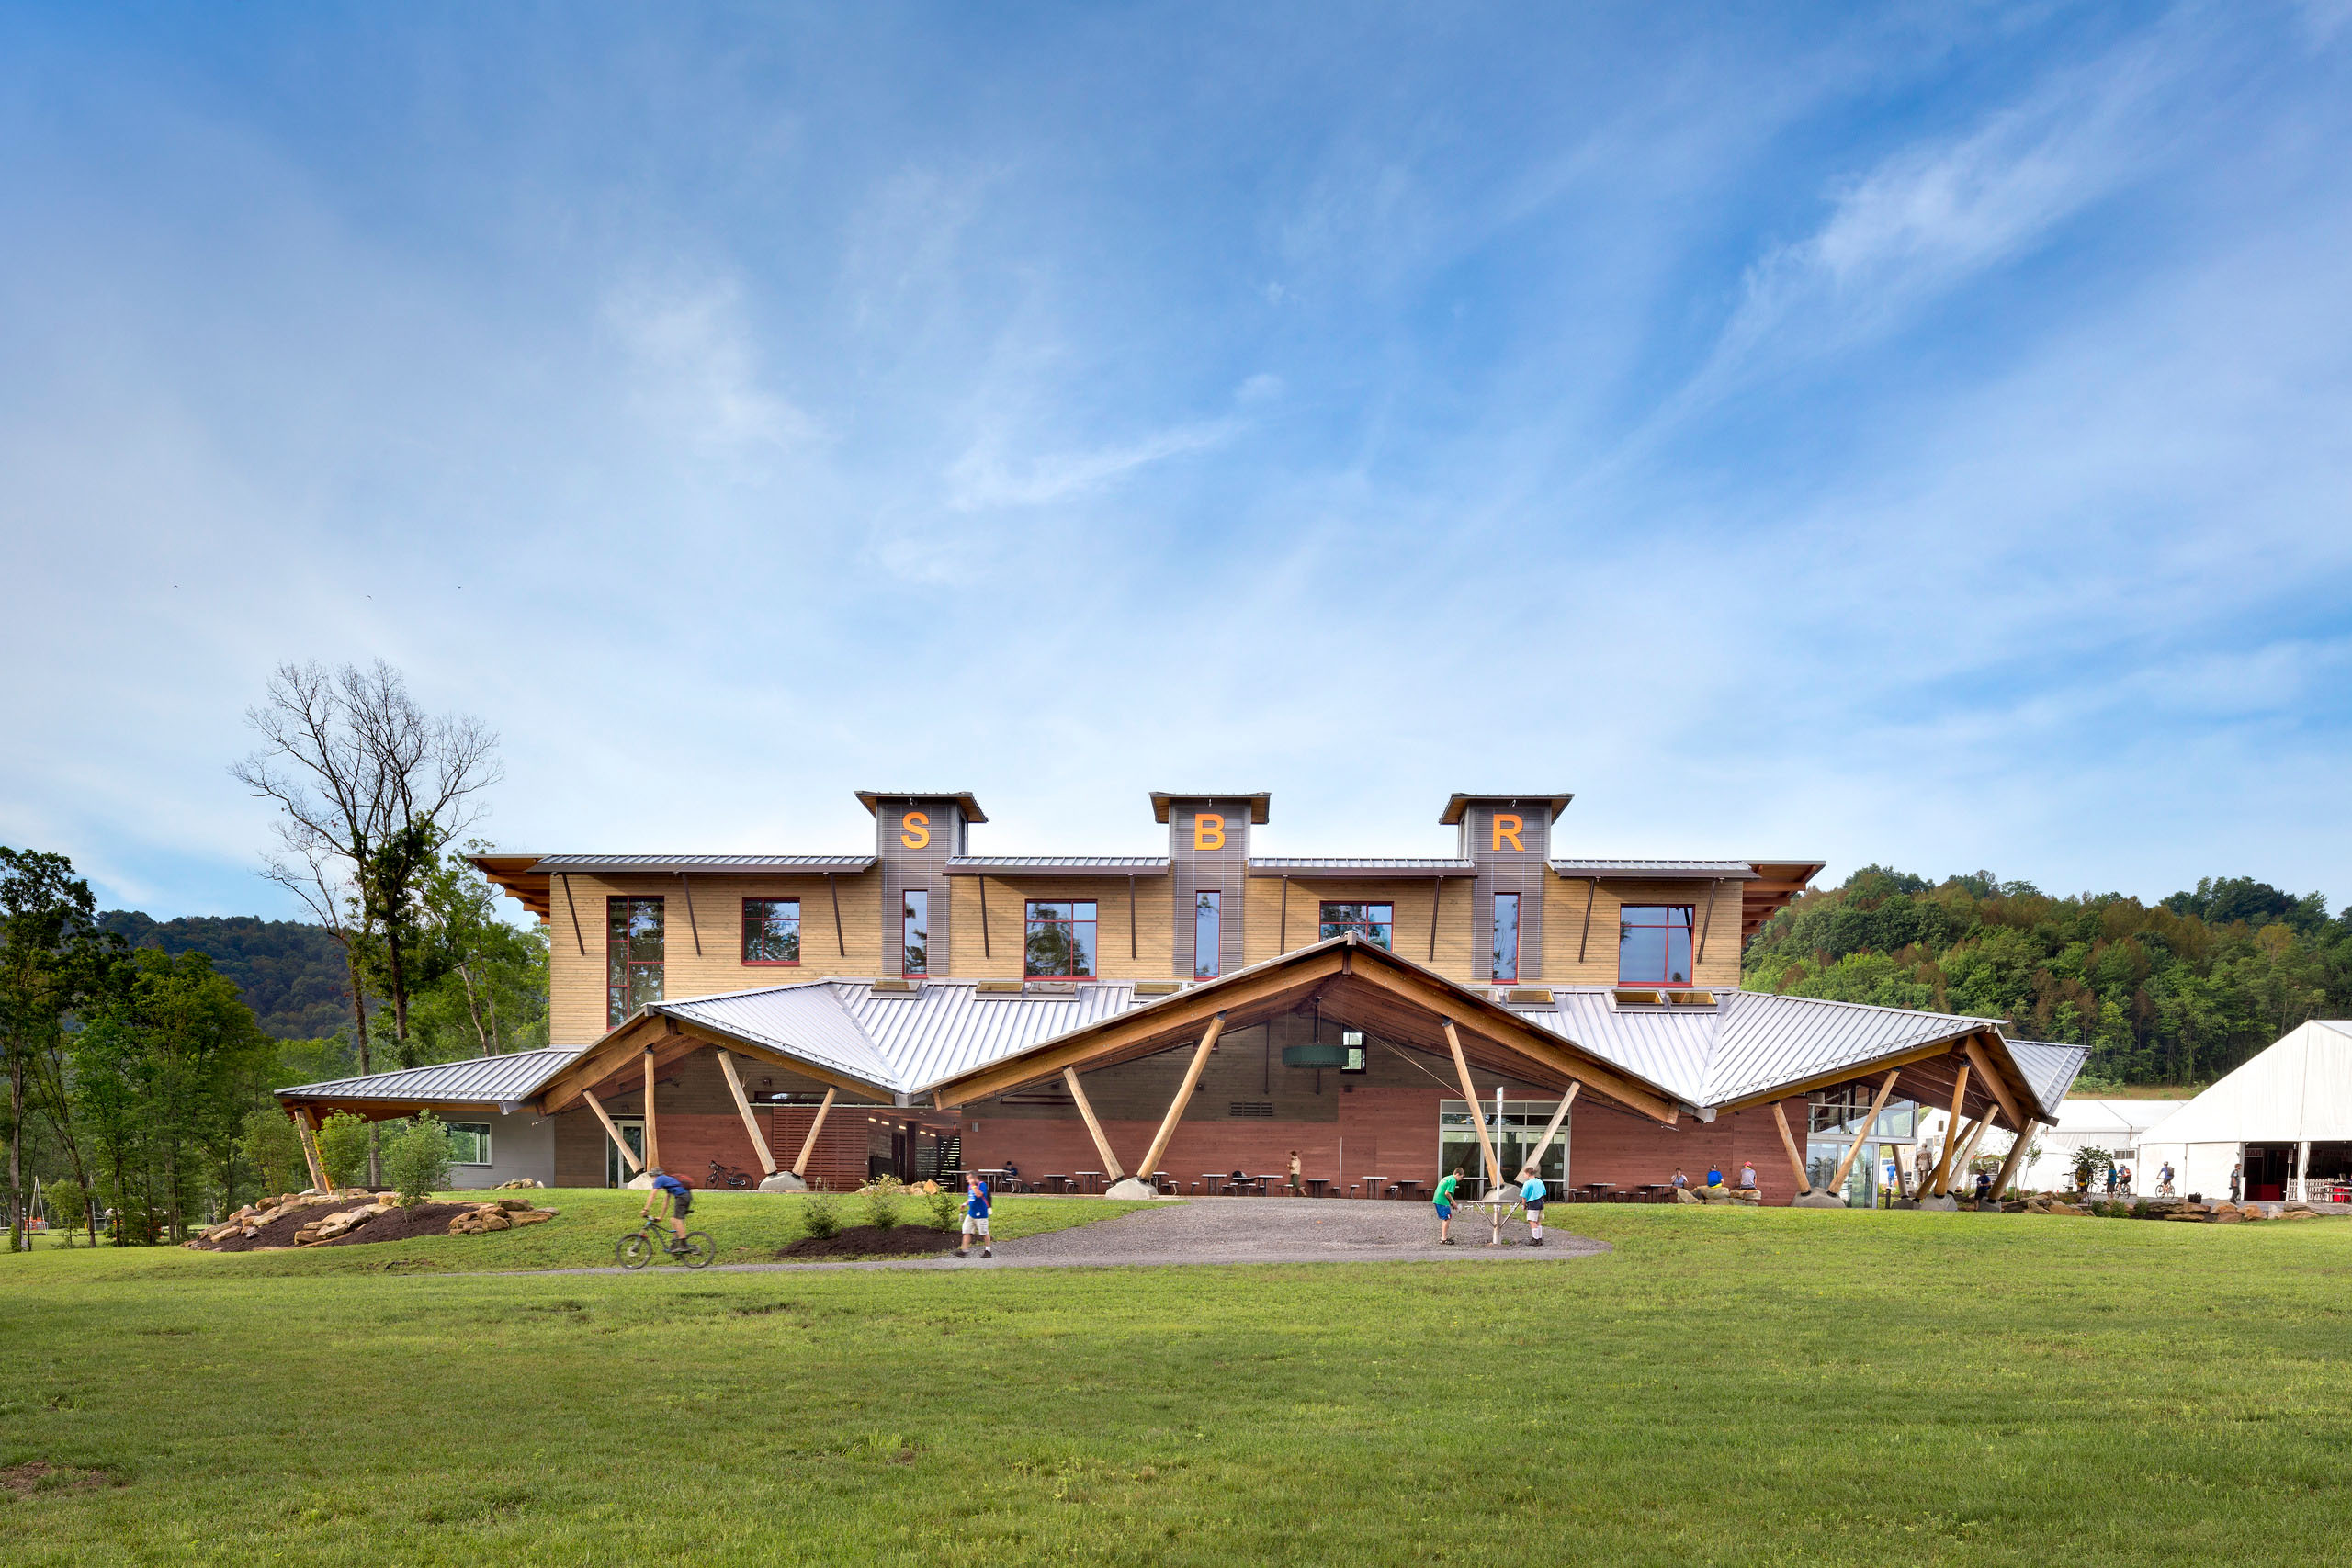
2287,1116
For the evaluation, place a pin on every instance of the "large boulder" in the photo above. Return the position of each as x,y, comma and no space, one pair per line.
1684,1195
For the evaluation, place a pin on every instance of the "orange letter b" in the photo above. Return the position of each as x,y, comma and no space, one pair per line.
1507,827
1208,831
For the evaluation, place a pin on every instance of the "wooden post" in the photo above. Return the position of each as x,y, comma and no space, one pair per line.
1846,1165
652,1144
751,1123
2009,1165
311,1154
1951,1130
1111,1171
628,1156
841,942
1553,1127
1176,1108
1591,891
1991,1081
809,1144
1974,1138
1462,1067
1796,1157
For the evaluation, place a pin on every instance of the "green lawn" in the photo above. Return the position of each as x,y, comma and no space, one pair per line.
1727,1387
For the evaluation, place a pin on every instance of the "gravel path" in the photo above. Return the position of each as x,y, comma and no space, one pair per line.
1249,1230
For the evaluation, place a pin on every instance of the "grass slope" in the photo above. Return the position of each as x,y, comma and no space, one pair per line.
750,1227
1725,1387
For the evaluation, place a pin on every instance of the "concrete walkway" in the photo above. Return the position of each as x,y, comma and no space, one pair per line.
1248,1230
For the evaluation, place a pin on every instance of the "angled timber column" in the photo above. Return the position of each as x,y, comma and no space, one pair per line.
1111,1171
1552,1128
1951,1129
1991,1081
1183,1095
743,1105
1470,1093
306,1121
809,1144
1796,1157
1846,1165
1975,1137
2009,1165
652,1144
629,1156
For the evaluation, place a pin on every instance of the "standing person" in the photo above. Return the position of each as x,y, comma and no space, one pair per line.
2237,1174
1297,1186
1445,1206
1530,1194
2111,1183
976,1217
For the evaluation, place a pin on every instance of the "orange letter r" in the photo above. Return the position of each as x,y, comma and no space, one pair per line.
1208,831
1507,827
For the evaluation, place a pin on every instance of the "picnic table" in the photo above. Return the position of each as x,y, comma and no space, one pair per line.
1407,1188
1600,1190
1315,1184
1090,1181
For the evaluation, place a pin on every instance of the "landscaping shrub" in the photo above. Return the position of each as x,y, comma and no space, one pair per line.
881,1207
271,1145
342,1145
416,1158
943,1205
821,1216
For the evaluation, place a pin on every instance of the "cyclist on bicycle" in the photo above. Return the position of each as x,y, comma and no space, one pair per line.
682,1199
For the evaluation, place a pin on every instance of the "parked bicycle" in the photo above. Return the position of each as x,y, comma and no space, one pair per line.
636,1250
729,1176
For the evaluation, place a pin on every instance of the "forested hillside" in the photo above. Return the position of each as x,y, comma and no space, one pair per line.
2179,992
291,974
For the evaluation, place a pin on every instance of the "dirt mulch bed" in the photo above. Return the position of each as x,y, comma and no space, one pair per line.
39,1475
865,1241
405,1224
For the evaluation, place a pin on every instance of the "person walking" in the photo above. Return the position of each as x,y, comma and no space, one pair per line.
2237,1175
1298,1185
976,1217
2111,1183
1530,1196
1444,1202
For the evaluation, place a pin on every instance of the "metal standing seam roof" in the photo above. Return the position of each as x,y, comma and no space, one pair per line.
1766,1040
481,1079
584,863
1374,868
1729,870
948,1027
984,864
2050,1070
805,1020
1668,1046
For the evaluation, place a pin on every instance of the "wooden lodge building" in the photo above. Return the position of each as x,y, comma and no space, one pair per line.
923,1009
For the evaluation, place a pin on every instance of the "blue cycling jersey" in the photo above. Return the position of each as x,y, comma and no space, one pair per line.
668,1183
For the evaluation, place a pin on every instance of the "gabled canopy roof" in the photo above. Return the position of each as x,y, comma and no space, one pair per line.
480,1080
961,1040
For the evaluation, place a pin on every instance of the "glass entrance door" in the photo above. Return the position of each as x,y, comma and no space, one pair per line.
1523,1121
616,1170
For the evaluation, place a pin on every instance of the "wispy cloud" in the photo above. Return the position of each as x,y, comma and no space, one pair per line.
699,371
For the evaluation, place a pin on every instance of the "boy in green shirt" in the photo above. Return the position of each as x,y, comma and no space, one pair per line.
1445,1206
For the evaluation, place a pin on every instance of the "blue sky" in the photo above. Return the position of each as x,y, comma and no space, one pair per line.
1920,433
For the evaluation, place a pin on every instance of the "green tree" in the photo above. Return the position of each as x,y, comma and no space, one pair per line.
52,961
206,1062
343,1144
271,1145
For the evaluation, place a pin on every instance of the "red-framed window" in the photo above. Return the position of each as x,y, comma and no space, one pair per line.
1504,963
914,940
771,931
632,956
1654,944
1207,926
1373,922
1061,939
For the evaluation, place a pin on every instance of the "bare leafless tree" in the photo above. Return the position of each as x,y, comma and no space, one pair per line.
368,786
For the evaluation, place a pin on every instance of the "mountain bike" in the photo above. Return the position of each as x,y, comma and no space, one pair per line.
729,1176
636,1248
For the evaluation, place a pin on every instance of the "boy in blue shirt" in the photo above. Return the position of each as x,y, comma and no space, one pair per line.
976,1217
1530,1195
682,1199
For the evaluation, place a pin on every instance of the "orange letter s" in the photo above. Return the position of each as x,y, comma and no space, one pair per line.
1507,827
1208,831
918,830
